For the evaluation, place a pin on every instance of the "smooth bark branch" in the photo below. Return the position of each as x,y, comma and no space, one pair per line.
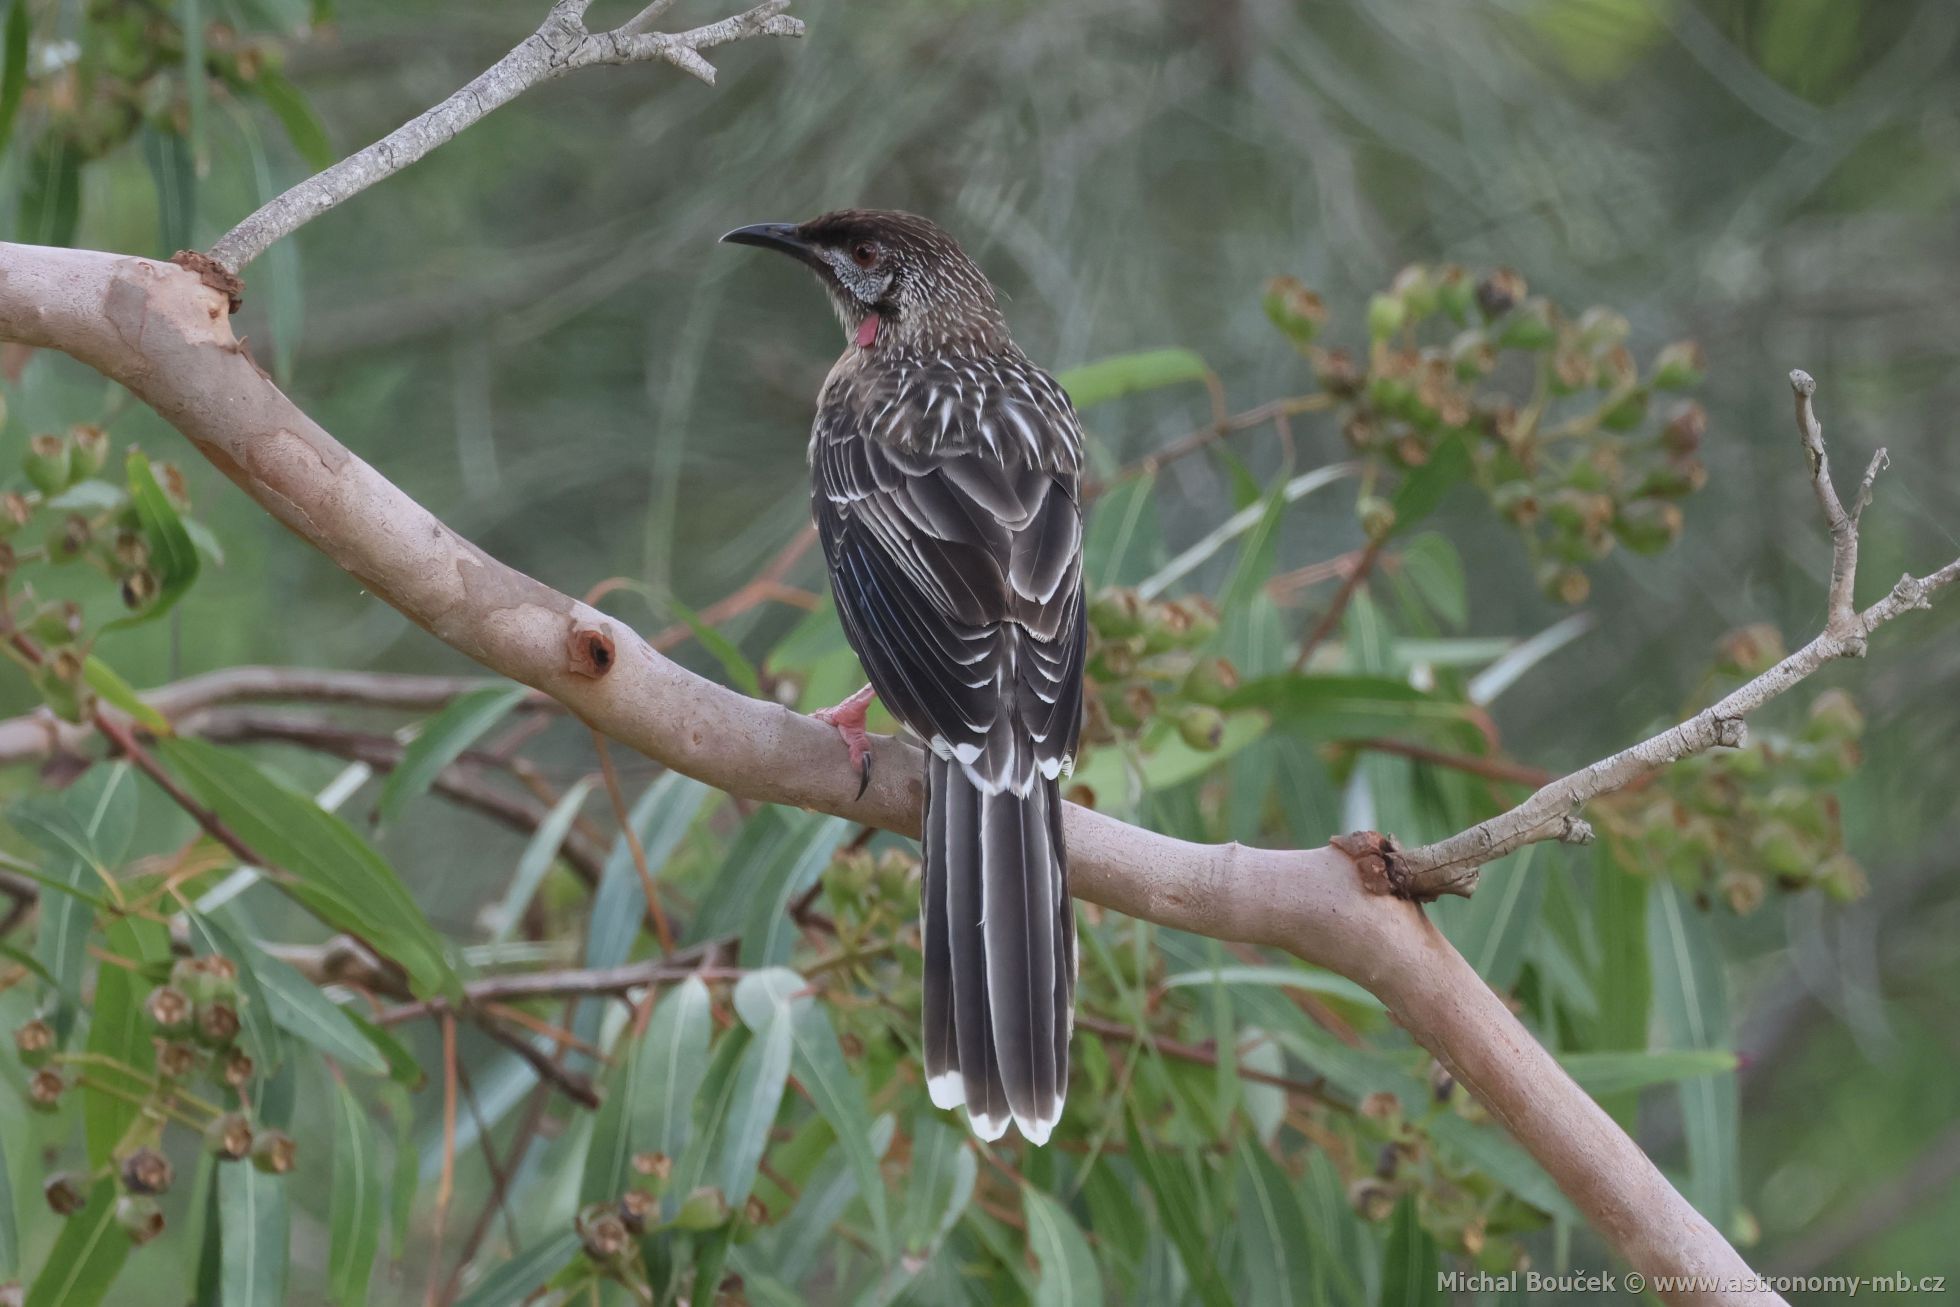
1450,866
560,45
159,331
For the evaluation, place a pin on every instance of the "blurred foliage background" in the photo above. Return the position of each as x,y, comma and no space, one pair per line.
535,334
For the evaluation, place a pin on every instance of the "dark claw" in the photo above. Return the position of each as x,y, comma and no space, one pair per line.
864,774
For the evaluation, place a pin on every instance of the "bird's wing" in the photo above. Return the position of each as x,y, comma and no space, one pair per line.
958,576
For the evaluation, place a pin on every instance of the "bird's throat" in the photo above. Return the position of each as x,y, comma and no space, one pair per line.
867,332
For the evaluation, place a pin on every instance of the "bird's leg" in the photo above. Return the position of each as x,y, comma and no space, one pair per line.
848,718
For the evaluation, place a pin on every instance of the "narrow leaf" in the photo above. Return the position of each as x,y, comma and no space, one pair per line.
1111,378
252,1212
442,741
518,1280
354,1213
86,1257
538,856
103,679
336,874
1069,1277
1410,1262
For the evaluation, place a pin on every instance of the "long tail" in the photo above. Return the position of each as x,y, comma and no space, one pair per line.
999,953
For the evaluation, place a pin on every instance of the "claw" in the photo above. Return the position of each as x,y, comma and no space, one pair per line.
848,718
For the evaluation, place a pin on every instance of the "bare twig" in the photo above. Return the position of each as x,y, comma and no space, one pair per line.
1450,866
1210,433
35,736
1331,619
561,45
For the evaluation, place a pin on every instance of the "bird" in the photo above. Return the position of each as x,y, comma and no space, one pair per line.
946,473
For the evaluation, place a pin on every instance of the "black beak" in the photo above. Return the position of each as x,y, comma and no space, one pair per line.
786,237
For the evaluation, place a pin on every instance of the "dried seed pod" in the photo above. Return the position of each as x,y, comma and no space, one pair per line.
657,1166
603,1234
274,1152
176,1059
66,1192
140,1218
45,1088
1497,292
237,1068
217,1024
172,1011
147,1171
635,1206
229,1138
34,1040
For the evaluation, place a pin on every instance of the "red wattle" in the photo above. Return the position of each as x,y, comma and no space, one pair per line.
867,331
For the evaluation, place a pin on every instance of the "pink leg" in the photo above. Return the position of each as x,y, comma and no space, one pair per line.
848,718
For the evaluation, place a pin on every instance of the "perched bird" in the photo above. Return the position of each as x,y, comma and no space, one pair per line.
947,475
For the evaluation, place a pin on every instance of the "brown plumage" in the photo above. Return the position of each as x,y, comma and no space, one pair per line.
946,471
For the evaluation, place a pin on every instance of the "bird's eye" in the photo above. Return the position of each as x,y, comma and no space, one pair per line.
864,254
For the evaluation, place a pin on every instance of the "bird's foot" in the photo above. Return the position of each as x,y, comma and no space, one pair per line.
848,718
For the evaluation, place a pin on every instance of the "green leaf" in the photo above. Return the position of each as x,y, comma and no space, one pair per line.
537,859
407,1173
298,1007
9,1229
661,817
103,679
1069,1277
1492,928
943,1173
252,1214
442,741
1312,980
820,1068
86,830
1434,571
1691,1001
119,1030
711,1105
1425,487
402,1066
734,664
354,1212
172,555
173,179
1124,374
1410,1262
51,195
1271,1229
1180,1212
517,1281
13,69
674,1058
302,126
1614,1073
756,1097
1357,707
190,21
335,873
1624,984
87,1255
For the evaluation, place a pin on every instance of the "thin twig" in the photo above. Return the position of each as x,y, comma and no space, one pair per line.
561,45
661,929
1450,866
1331,619
1495,769
446,1186
1202,437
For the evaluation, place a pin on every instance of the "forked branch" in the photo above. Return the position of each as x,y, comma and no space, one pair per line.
560,45
1450,866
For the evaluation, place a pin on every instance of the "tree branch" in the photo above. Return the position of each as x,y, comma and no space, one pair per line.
560,45
1450,866
162,333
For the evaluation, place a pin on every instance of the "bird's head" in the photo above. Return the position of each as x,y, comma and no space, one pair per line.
896,279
